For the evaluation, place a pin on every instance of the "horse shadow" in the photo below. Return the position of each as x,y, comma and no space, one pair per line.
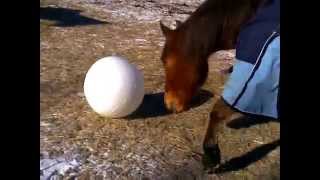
248,121
246,159
67,17
153,105
252,156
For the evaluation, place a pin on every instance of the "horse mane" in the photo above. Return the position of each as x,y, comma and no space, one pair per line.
213,24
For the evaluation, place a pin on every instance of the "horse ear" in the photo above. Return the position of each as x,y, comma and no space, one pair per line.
165,30
178,23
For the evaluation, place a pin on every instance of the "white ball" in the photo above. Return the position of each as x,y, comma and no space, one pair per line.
113,87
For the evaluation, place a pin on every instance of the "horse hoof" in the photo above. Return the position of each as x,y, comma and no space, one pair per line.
211,157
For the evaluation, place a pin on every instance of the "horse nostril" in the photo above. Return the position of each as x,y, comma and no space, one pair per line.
173,108
167,103
172,103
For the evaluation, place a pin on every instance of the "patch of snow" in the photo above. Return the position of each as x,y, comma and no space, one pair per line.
49,168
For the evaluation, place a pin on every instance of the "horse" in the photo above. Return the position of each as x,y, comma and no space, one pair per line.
213,26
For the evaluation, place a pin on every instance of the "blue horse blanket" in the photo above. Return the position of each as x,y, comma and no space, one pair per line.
253,86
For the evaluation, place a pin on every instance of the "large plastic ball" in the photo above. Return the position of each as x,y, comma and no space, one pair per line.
113,87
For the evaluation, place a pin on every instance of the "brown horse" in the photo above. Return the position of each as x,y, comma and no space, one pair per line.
213,26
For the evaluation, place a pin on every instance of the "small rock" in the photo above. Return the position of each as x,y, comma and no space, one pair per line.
80,94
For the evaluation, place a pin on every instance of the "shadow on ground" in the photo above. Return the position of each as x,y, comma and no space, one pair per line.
67,17
248,158
248,121
153,105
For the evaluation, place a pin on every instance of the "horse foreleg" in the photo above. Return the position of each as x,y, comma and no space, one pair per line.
219,113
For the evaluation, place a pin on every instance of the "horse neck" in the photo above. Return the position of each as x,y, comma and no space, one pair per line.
213,26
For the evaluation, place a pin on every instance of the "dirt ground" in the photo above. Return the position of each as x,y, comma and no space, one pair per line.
151,143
